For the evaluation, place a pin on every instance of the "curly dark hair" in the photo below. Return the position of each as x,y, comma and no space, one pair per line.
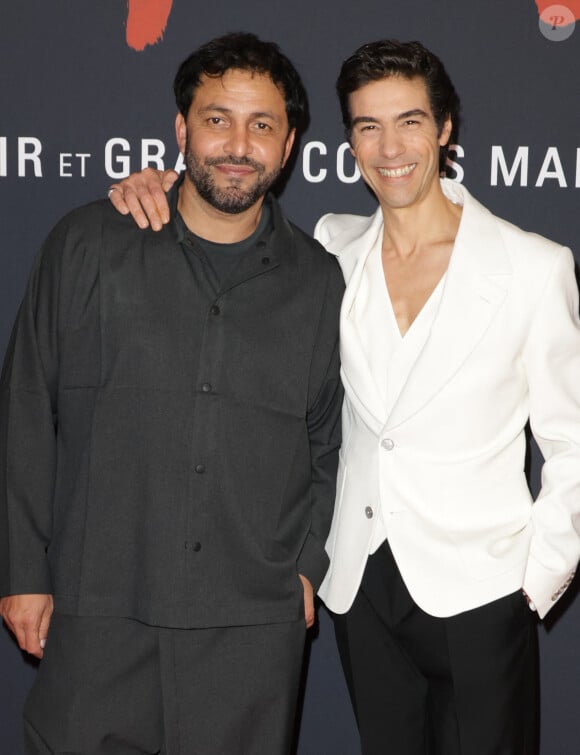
245,52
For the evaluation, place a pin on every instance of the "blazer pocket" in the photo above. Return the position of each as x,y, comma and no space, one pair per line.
491,527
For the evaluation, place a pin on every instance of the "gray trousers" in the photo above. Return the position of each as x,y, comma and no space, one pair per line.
111,686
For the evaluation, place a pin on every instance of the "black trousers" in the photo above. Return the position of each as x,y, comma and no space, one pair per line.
110,686
421,685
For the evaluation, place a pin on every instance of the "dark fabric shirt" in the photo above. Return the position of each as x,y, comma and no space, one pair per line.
168,453
224,258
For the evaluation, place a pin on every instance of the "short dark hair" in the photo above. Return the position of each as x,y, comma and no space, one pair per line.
243,52
388,57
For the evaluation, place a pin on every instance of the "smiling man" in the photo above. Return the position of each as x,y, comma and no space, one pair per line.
456,329
170,425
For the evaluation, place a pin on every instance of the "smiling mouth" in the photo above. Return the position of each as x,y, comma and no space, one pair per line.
239,170
231,163
397,172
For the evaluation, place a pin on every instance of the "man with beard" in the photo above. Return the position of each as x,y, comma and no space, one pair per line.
170,422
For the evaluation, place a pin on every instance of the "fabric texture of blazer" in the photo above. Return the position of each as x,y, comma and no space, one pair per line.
446,464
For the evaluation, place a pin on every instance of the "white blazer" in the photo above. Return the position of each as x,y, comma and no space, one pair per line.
446,464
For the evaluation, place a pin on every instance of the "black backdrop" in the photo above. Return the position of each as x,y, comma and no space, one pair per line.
79,105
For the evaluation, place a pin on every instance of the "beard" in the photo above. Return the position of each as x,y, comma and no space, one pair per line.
232,199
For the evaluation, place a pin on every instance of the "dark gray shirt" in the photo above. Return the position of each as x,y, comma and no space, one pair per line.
168,452
223,258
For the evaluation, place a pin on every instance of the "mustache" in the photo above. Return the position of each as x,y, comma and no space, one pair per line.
233,160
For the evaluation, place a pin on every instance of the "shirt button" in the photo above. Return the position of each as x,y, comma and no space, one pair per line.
196,547
215,310
200,469
388,444
368,512
206,387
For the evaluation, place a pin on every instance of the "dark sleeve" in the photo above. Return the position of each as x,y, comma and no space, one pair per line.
28,428
324,429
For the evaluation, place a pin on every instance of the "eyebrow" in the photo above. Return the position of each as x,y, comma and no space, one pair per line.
211,108
399,117
411,113
364,119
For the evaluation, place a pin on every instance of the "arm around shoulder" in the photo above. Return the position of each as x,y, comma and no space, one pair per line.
142,195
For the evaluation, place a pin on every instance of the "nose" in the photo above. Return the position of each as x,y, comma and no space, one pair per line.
392,144
238,142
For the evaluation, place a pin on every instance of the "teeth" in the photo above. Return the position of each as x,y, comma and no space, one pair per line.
397,172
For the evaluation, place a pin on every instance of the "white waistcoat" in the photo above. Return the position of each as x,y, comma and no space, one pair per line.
390,355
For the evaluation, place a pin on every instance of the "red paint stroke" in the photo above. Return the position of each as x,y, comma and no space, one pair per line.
572,5
146,22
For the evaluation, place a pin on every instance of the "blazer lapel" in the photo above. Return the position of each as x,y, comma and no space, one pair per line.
476,284
352,253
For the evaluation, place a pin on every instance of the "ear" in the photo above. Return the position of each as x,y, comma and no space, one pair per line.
445,134
180,132
288,146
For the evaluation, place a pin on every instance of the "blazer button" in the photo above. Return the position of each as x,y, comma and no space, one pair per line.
196,547
215,310
388,444
206,387
200,469
368,512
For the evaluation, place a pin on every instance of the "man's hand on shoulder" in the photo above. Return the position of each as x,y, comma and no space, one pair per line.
143,196
309,612
28,617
